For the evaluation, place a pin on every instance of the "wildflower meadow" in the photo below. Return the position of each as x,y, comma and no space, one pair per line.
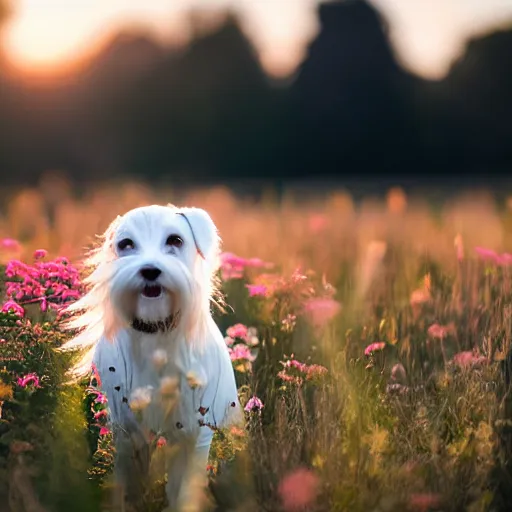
370,342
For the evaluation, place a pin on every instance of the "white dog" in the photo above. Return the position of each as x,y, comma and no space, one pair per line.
147,326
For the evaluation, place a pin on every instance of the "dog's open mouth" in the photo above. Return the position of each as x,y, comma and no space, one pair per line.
152,291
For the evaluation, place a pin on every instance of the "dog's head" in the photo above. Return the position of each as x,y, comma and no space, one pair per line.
156,255
155,267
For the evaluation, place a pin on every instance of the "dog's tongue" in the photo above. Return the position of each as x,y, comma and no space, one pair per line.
152,290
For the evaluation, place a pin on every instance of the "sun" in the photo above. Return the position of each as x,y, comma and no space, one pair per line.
50,35
46,38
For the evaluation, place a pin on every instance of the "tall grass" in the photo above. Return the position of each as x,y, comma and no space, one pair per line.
421,421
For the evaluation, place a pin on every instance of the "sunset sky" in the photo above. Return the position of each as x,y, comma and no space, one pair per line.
428,34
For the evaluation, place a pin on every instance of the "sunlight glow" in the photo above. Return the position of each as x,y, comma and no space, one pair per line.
427,35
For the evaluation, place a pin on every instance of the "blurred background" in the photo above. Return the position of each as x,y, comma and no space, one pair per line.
382,127
255,93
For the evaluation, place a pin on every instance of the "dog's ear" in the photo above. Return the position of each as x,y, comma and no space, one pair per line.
204,231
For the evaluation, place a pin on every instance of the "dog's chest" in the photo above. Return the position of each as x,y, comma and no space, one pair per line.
155,389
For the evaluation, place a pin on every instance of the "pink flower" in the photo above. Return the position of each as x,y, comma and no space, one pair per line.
241,352
13,267
486,254
398,372
297,276
504,259
258,263
420,296
101,414
293,363
424,502
104,431
12,307
40,254
299,489
48,282
232,266
100,398
228,273
440,331
256,290
374,347
237,331
321,310
43,304
295,372
317,223
468,359
254,405
95,375
229,258
315,371
30,378
67,293
10,244
298,286
286,377
492,256
161,442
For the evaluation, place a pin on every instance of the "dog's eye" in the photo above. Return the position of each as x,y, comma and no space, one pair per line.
174,241
125,243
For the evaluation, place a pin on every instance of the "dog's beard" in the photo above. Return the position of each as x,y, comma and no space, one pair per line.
154,309
136,305
134,298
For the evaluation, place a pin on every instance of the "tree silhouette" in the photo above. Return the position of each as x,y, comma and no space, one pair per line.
201,111
207,112
352,94
465,118
479,88
99,105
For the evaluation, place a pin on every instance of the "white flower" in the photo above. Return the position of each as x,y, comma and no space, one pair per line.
252,332
159,358
288,324
192,380
169,385
252,341
141,398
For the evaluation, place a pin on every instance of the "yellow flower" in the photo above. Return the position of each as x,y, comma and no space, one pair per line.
5,391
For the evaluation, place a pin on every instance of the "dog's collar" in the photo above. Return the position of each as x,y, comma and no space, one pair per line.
153,327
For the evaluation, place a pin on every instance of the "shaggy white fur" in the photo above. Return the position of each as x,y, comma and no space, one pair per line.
147,326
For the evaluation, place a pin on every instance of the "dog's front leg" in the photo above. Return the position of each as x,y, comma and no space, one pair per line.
187,478
131,470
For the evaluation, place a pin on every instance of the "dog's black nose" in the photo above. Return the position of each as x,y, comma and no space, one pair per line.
150,273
